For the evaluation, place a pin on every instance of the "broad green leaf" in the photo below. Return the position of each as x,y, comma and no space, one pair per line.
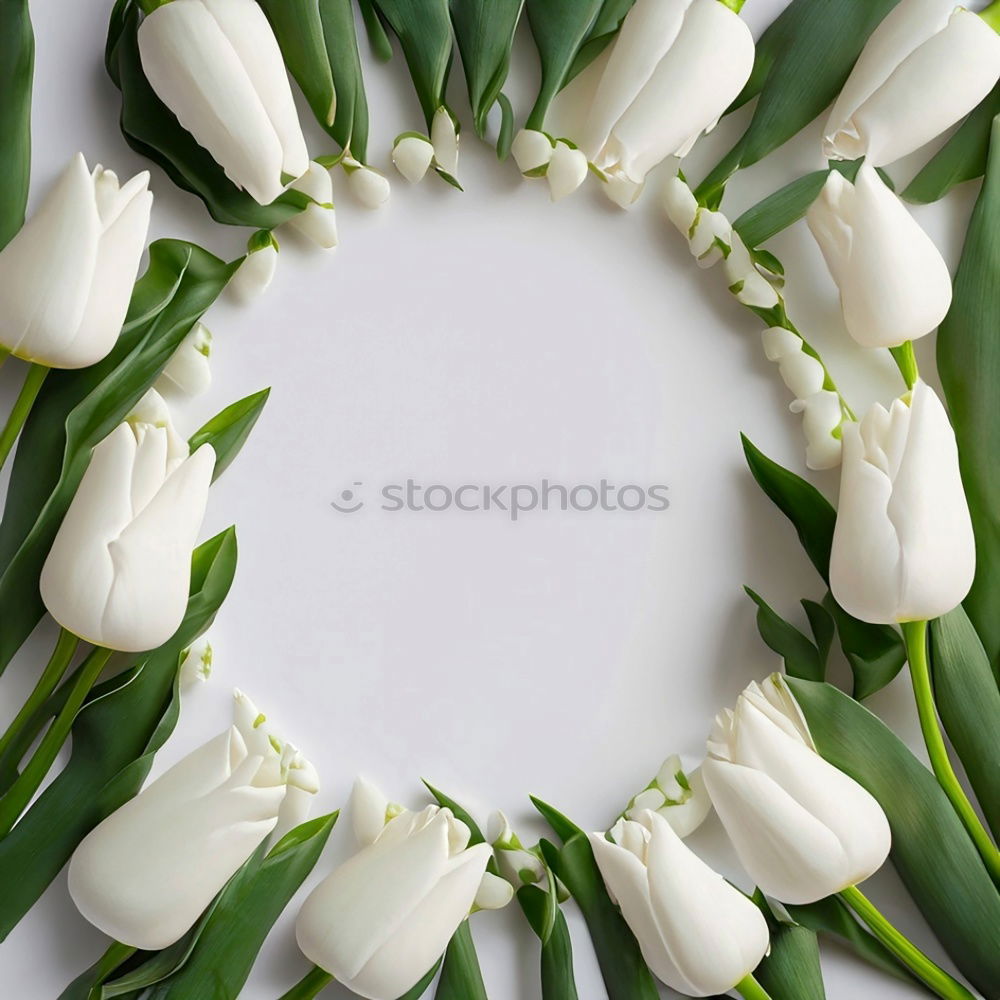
560,29
378,38
558,980
229,429
461,976
832,916
801,63
484,30
77,409
244,914
151,129
800,656
968,701
790,970
962,158
423,28
17,59
930,848
118,731
320,48
625,974
968,356
85,986
601,34
823,627
875,652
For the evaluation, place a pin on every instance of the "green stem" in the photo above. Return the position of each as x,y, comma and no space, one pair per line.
915,635
991,15
906,361
905,950
22,407
4,354
53,673
734,5
20,793
309,985
750,989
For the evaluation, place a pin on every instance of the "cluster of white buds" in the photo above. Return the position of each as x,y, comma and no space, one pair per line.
678,796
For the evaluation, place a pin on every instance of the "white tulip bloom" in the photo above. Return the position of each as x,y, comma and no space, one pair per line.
254,276
802,829
697,933
318,221
567,170
674,69
119,569
903,547
217,66
196,663
531,150
189,370
894,284
66,277
412,156
444,139
147,872
679,797
382,919
925,67
369,188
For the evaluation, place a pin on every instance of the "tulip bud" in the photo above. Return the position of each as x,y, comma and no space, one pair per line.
673,71
217,66
444,139
802,829
903,547
412,155
822,419
196,663
146,873
680,205
697,933
747,283
567,170
382,919
369,188
189,372
894,284
516,863
118,571
680,798
622,191
531,150
317,222
925,67
255,274
67,276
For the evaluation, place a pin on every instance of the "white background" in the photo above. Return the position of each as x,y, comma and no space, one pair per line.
483,337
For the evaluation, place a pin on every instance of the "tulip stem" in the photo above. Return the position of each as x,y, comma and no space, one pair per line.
903,948
20,793
991,15
906,361
22,407
734,5
750,989
915,634
53,673
309,985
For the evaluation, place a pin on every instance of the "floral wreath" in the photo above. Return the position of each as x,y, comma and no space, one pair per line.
106,499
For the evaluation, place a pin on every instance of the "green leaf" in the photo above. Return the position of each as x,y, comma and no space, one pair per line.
151,129
930,848
779,210
601,34
968,356
962,158
625,974
484,30
791,969
560,29
121,726
565,829
229,429
423,28
832,916
876,653
77,409
378,38
320,47
17,60
461,976
244,914
558,980
459,813
823,628
800,656
802,62
968,701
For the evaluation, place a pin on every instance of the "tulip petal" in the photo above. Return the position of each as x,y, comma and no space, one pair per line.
368,810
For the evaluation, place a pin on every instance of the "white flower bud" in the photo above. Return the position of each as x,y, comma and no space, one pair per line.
368,187
256,273
412,156
444,139
681,205
567,170
189,371
531,150
196,663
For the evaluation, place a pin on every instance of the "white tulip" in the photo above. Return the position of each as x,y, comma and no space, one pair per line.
147,872
196,663
369,188
678,796
802,829
382,919
189,370
679,68
217,66
254,276
531,150
697,933
318,221
118,571
903,547
67,276
567,170
412,156
444,139
894,284
926,66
